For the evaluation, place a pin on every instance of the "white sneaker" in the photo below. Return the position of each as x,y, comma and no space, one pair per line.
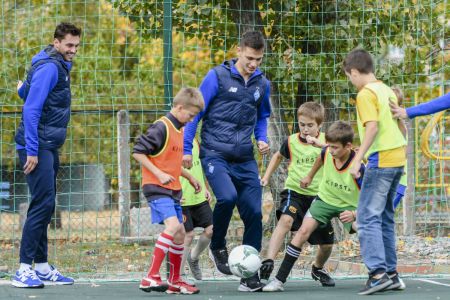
274,286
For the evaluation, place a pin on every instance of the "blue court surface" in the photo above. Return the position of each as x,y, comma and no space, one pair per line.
437,288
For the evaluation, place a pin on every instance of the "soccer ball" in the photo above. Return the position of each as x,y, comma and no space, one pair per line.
244,261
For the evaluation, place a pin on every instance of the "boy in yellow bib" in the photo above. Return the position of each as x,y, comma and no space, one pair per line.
196,213
337,197
383,145
302,150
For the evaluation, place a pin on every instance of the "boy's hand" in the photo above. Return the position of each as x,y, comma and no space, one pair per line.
397,111
263,147
187,161
305,182
195,184
164,178
347,216
19,84
354,170
264,181
208,196
314,141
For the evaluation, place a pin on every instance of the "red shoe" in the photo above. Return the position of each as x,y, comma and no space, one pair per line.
181,287
153,283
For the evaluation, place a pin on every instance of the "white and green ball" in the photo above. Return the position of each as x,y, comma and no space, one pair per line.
244,261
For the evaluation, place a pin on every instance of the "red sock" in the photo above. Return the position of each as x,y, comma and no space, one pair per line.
159,252
175,256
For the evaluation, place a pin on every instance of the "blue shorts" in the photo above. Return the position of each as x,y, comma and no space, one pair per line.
164,208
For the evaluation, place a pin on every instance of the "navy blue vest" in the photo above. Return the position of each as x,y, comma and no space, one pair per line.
230,119
55,114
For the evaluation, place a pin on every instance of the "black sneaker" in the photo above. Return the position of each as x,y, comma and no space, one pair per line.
220,260
322,276
397,283
376,284
252,284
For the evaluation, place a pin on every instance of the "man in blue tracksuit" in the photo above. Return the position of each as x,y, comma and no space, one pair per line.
237,106
42,131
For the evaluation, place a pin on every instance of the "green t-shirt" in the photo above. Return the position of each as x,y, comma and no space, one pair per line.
302,158
189,195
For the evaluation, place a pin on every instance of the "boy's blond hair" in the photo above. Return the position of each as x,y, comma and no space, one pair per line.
189,97
340,132
312,110
398,92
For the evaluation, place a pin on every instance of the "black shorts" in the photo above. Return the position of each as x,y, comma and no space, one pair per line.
199,215
296,205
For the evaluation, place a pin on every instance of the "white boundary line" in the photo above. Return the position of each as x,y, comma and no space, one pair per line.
433,282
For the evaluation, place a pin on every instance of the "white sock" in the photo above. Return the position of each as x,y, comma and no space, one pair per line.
24,267
42,268
183,260
202,244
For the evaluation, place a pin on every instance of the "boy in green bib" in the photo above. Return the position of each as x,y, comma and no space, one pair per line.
301,149
196,213
337,197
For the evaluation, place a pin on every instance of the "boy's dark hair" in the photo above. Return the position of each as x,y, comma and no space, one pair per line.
64,29
253,39
312,110
340,132
358,59
398,92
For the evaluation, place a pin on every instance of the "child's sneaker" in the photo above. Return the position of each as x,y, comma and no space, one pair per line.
376,285
188,280
153,283
194,266
181,287
397,282
273,286
54,277
322,276
27,279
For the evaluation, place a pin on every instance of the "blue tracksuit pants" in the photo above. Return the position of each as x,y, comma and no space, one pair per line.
42,185
235,184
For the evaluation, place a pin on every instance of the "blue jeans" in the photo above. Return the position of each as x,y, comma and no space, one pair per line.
375,218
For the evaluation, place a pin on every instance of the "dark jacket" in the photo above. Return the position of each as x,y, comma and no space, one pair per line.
235,111
55,113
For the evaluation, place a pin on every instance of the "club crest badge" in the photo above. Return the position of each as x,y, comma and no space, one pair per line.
256,94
